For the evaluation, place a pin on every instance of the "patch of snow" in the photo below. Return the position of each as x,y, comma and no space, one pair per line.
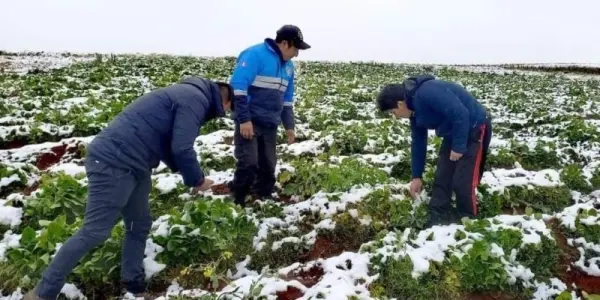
70,169
151,266
11,216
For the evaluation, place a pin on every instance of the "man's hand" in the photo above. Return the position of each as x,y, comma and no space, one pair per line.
415,187
203,187
291,136
455,156
247,130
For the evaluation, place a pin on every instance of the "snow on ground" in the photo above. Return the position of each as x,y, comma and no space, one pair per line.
22,64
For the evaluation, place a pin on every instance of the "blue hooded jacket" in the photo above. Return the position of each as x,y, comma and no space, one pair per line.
161,126
444,106
263,85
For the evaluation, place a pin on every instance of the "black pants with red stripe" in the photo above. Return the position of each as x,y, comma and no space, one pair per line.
459,177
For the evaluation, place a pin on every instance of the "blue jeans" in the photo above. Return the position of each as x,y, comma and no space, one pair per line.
111,192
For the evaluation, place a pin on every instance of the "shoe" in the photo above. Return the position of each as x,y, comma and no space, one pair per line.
239,198
140,295
137,289
32,296
435,218
145,296
237,193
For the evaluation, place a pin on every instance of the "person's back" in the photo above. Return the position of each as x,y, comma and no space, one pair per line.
426,95
429,94
140,136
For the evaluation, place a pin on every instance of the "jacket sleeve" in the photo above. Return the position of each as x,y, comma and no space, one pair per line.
243,76
445,102
170,164
287,115
418,150
186,126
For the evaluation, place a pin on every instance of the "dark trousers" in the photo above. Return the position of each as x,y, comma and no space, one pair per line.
460,177
256,161
112,193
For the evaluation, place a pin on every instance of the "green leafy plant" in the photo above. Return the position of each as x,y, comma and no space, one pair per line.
59,195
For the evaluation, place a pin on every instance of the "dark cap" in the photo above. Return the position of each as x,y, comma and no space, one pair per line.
294,34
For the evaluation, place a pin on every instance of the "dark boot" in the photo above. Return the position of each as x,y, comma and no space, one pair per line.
238,193
239,196
434,218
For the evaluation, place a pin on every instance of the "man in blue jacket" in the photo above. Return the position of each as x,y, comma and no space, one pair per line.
263,84
159,126
466,129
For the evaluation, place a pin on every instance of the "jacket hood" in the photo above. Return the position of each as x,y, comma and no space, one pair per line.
212,93
411,85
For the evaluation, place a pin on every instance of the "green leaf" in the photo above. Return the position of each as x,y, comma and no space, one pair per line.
590,297
45,258
528,210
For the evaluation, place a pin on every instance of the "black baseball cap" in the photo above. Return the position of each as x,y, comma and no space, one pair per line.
294,34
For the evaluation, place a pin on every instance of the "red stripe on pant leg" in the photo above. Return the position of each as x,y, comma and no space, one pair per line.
476,171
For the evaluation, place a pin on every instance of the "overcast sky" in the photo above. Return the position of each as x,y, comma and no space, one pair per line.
411,31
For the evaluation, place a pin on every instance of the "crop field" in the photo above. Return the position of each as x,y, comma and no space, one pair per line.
345,227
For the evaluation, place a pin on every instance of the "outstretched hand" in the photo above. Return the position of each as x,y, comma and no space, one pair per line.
291,136
415,187
455,156
203,187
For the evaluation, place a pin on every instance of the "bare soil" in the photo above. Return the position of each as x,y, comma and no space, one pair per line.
568,273
14,144
220,189
291,293
308,277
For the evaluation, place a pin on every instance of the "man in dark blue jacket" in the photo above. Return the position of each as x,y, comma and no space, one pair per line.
466,129
159,126
263,83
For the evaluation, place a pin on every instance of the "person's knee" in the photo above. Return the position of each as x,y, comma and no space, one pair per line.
461,187
94,236
247,161
138,227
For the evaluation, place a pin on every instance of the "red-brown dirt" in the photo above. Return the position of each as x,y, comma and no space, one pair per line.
58,153
308,277
14,144
220,189
518,210
286,199
30,189
323,248
291,293
47,159
568,273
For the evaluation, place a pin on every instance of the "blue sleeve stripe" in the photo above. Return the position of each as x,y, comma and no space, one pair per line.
240,93
288,103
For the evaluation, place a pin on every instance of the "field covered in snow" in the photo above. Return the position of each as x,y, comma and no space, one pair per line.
345,227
